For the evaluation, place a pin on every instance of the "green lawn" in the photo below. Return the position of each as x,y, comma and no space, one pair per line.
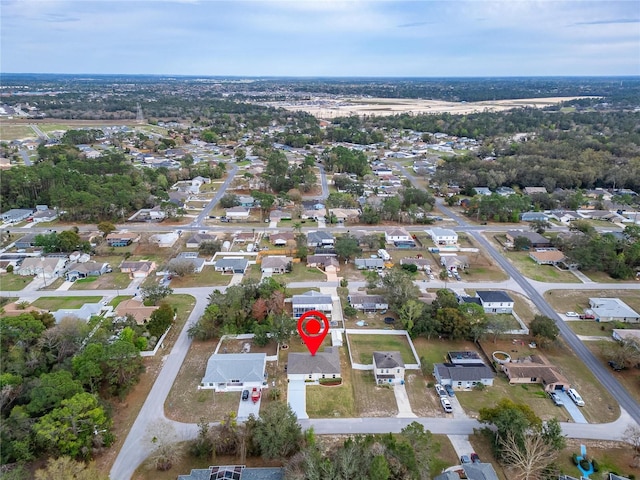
591,328
336,401
363,346
578,300
116,301
541,273
13,132
57,303
12,283
300,273
207,277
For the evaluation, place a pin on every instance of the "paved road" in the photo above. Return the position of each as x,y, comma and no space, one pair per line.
623,397
39,132
25,157
323,182
219,194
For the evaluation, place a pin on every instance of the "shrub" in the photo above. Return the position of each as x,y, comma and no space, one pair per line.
585,464
596,467
430,385
349,311
9,268
574,457
479,386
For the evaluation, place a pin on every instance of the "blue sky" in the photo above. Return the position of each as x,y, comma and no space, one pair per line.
321,38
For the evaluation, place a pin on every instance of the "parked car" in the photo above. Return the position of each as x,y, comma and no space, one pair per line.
572,314
555,398
575,396
449,390
255,394
587,316
389,320
440,390
615,365
465,459
245,395
446,404
475,458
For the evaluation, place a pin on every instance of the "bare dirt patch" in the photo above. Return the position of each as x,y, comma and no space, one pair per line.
422,399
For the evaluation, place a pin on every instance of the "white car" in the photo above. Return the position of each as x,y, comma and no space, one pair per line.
575,396
446,404
572,314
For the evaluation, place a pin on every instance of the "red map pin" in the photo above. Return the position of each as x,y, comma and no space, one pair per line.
313,326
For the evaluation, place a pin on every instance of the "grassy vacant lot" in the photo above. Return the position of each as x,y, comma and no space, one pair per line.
13,132
300,273
363,346
108,281
372,400
541,273
423,402
337,401
591,328
54,285
524,307
57,303
603,277
207,277
12,283
578,300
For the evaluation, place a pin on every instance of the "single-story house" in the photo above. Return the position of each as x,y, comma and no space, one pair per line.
165,240
231,265
369,263
85,312
137,269
421,263
122,239
196,239
282,239
547,256
388,367
315,214
276,264
320,239
312,300
535,369
613,310
148,214
534,216
246,201
244,237
534,190
482,191
45,267
564,216
77,271
28,241
198,263
47,215
397,235
302,366
16,215
368,303
463,376
346,214
626,334
443,236
277,215
236,472
537,240
323,261
495,301
234,372
237,213
472,471
453,262
135,308
505,191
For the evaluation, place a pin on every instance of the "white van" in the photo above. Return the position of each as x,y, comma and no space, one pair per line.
384,255
575,396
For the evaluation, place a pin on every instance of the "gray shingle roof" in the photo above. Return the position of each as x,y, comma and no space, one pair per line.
463,373
245,367
391,359
327,362
235,263
311,298
493,296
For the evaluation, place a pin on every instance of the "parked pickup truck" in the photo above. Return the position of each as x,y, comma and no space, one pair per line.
255,394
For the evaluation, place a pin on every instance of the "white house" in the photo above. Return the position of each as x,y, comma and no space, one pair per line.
388,367
234,372
368,303
302,366
369,263
397,235
237,213
613,309
231,265
443,236
463,376
276,264
495,301
139,269
46,268
312,300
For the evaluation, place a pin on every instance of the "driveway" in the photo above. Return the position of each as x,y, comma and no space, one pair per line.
297,398
247,407
458,411
236,279
402,399
461,444
571,408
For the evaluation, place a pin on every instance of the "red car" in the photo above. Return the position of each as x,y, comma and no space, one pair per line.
255,394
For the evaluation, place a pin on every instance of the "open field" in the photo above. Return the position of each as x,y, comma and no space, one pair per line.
363,346
12,283
207,277
578,300
541,273
57,303
108,281
14,132
339,107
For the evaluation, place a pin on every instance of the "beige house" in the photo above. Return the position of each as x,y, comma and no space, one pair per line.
535,369
388,367
138,269
547,257
136,309
45,267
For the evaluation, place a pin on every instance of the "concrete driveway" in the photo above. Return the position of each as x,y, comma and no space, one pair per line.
297,398
461,444
572,408
247,407
402,399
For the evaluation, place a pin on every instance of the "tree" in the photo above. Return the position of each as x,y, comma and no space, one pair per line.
529,457
283,327
202,446
68,241
106,228
66,468
50,390
521,243
181,267
544,329
398,288
347,247
167,450
160,320
632,437
583,226
122,366
210,247
498,325
154,293
624,352
277,433
540,226
229,200
409,312
74,427
510,418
